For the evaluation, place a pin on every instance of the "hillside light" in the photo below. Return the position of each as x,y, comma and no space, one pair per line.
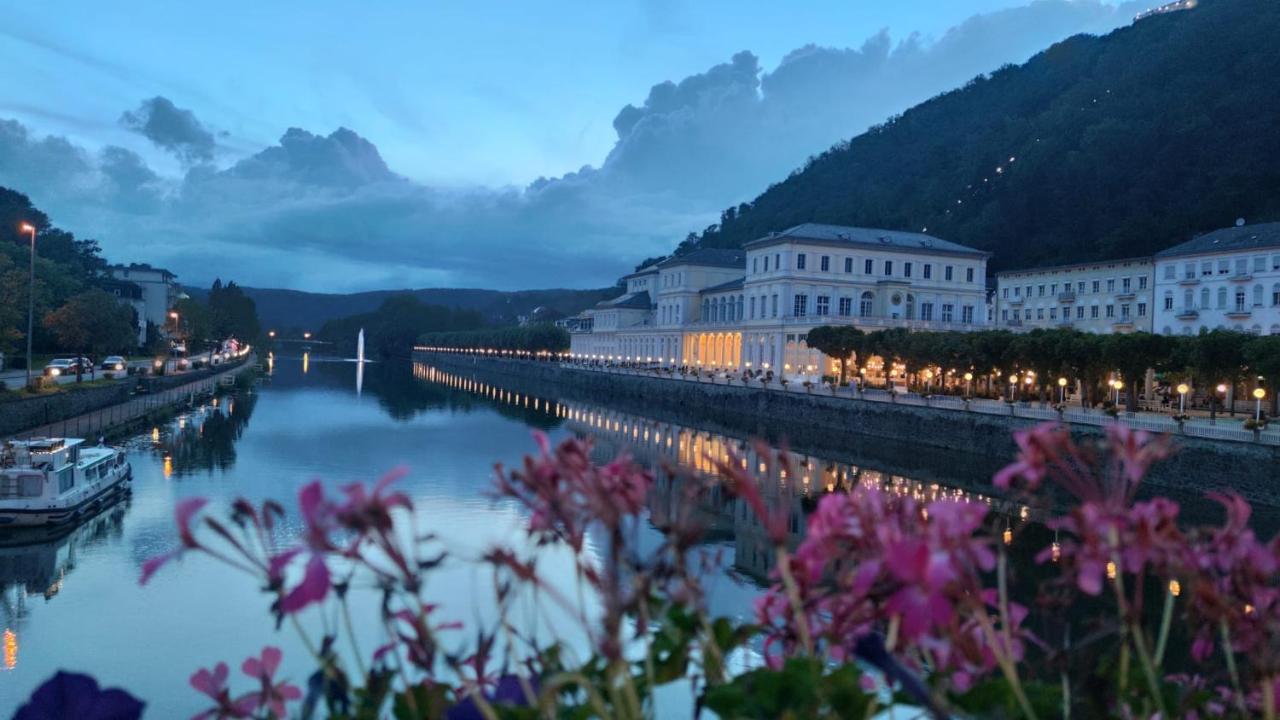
1258,394
30,229
1183,389
271,333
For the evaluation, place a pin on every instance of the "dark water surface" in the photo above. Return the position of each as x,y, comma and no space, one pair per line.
72,600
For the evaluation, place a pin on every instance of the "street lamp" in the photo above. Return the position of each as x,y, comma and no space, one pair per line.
306,335
31,295
271,333
1183,389
968,384
1258,394
1119,387
1062,385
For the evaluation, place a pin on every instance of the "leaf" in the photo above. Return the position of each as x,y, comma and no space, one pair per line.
425,701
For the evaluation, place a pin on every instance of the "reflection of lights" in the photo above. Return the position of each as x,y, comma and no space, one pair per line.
10,649
306,362
155,434
168,466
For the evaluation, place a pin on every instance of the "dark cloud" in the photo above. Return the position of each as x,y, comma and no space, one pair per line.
325,212
172,128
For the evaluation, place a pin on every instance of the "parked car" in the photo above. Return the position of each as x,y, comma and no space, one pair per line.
114,362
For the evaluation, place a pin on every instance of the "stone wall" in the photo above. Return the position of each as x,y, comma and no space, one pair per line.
19,415
818,423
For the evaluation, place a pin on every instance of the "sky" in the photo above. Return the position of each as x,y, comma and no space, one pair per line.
339,146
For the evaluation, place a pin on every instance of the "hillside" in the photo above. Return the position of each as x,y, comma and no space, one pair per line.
1098,147
296,309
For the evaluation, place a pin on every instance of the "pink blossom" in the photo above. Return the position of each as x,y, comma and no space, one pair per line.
271,695
184,513
314,587
213,683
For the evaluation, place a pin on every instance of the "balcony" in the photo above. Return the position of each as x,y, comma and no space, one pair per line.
1188,314
1016,322
1066,323
1067,297
1242,277
1015,300
1239,312
1122,324
1189,280
1125,295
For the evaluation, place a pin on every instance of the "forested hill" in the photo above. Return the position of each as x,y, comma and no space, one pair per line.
1098,147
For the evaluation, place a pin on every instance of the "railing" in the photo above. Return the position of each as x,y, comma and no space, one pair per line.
1066,297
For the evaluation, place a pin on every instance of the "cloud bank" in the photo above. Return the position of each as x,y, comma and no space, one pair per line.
325,212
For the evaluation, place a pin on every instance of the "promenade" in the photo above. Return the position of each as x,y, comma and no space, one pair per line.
96,423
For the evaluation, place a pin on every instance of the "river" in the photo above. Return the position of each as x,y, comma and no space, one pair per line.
71,600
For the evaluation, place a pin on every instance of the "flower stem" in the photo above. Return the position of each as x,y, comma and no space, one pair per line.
1166,619
1231,664
793,594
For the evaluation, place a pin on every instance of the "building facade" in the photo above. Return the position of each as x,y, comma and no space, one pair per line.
127,293
1225,279
752,308
1101,297
159,291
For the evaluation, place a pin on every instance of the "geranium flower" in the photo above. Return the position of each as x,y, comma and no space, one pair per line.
271,695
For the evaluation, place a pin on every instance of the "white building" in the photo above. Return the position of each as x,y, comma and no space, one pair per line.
752,308
1098,297
130,294
1227,278
159,291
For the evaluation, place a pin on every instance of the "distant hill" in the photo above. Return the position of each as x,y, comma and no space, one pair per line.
296,309
1098,147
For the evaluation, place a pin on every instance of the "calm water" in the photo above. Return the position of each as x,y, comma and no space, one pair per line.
73,601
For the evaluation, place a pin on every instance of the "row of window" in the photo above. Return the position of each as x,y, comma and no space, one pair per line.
1224,267
1079,288
1095,312
1240,305
868,267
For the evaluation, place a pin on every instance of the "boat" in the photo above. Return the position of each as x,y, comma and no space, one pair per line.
50,481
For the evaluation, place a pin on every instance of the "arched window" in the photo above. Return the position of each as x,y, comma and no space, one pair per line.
1257,296
1275,295
1240,307
1204,298
1188,300
911,307
1222,298
865,304
706,310
740,315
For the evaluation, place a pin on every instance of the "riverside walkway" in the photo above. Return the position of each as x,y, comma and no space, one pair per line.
1225,427
94,424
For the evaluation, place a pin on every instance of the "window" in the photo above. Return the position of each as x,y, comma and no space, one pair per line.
1017,291
800,308
1111,284
1053,313
1259,263
968,275
825,263
928,271
1093,312
926,311
947,311
906,269
1004,314
1206,268
1124,311
1168,301
1111,311
1275,295
1039,290
823,305
1240,306
1275,262
1142,282
1053,289
867,267
888,268
1005,293
848,265
1224,267
1257,296
1080,287
1222,298
1027,314
846,306
1096,286
1204,299
800,261
1242,266
777,261
1170,272
946,274
755,265
1126,284
766,263
1142,309
752,305
966,314
1188,300
774,305
1039,313
864,304
1079,312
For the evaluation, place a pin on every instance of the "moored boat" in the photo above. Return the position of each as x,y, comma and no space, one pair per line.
48,481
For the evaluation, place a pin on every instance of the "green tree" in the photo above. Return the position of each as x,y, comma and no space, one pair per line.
839,342
1263,356
1132,354
1217,356
93,323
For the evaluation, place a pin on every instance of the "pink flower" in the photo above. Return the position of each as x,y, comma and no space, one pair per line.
271,696
314,587
184,512
213,683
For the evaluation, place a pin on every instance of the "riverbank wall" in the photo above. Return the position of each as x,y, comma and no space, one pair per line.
95,411
817,422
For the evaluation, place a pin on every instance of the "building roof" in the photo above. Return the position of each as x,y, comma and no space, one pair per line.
843,235
1232,239
1072,266
735,284
142,267
630,301
711,257
649,269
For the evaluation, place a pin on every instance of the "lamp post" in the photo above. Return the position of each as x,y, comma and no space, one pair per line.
1222,390
1258,394
31,295
1119,387
968,384
1062,390
1183,388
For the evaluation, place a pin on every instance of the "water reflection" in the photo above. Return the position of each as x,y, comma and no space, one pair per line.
678,454
202,438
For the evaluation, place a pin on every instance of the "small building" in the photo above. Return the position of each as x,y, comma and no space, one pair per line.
130,294
1098,297
1224,279
159,290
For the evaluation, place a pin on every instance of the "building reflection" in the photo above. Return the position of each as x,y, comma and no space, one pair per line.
680,456
201,438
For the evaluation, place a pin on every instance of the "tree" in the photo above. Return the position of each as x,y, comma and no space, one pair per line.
1217,355
839,342
1263,356
92,323
1132,354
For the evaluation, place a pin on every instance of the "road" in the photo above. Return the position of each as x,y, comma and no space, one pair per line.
13,379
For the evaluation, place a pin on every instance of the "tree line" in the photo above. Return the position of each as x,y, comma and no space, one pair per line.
539,337
1205,360
392,329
